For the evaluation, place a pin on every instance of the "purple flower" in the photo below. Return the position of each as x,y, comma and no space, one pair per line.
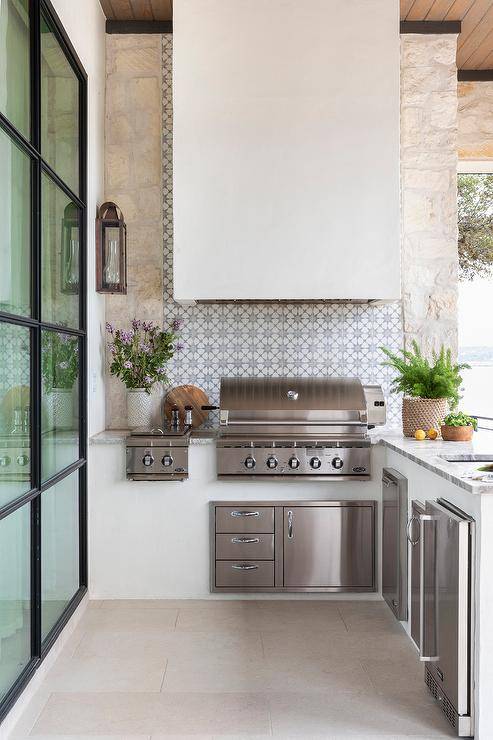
147,325
111,347
126,337
109,328
179,346
177,324
143,347
136,324
127,365
147,379
161,370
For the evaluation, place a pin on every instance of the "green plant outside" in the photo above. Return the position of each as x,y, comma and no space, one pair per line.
460,419
419,378
60,360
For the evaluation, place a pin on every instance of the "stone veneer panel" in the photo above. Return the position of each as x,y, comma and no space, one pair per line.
475,120
429,189
133,180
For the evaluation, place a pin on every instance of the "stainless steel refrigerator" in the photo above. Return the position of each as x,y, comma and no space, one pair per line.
446,606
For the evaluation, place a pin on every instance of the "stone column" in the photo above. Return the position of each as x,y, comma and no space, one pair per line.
476,120
133,181
429,190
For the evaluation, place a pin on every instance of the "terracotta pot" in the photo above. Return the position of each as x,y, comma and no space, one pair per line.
457,434
422,413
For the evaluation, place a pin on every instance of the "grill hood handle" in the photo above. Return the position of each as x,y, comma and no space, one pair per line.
209,408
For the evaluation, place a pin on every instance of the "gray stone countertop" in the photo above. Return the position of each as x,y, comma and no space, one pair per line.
430,454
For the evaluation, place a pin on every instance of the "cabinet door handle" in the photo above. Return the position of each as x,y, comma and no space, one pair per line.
245,540
245,513
244,566
290,525
414,518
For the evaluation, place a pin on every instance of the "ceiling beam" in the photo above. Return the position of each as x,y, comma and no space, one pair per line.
475,75
430,26
139,26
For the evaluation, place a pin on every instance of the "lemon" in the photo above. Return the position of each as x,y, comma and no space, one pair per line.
420,434
432,433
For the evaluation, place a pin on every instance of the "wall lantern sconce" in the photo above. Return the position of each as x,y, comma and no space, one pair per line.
70,249
111,250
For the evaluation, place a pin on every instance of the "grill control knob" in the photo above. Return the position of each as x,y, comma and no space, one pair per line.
167,461
337,463
148,460
294,463
272,462
22,460
315,463
250,462
4,461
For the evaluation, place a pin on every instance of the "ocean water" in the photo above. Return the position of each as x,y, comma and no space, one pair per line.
477,390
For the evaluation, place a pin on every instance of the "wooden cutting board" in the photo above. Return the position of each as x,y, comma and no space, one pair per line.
187,395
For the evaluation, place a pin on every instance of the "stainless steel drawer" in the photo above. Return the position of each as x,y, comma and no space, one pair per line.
249,546
245,519
244,573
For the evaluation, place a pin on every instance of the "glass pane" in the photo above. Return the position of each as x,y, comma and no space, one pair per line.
15,595
59,110
15,450
60,256
15,227
14,63
59,548
60,402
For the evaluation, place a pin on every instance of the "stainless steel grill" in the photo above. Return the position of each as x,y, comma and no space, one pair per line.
158,454
289,427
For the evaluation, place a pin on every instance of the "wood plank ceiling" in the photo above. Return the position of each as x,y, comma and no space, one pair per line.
138,10
475,46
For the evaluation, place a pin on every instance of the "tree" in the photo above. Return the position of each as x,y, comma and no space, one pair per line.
475,201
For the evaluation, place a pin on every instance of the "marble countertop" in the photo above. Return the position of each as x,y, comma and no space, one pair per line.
430,454
117,436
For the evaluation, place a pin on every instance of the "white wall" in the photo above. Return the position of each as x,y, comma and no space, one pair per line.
286,149
85,25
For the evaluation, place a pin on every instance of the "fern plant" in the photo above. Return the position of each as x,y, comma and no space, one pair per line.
419,378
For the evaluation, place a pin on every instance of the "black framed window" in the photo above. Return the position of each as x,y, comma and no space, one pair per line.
43,522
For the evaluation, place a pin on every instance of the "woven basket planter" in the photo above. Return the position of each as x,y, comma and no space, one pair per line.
422,413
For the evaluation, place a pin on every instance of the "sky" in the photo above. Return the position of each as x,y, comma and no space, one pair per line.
476,313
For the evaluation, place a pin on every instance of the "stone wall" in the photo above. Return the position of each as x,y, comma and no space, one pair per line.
429,189
133,181
475,120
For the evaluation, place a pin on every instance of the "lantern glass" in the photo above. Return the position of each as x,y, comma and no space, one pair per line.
112,252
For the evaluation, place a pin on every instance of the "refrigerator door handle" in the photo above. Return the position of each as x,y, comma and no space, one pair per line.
428,616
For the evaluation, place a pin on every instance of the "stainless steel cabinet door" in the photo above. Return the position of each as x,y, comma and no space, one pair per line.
329,547
445,607
394,542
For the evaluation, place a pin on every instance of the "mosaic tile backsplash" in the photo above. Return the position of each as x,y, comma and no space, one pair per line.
244,339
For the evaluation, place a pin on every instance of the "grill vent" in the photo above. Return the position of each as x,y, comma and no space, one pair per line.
446,706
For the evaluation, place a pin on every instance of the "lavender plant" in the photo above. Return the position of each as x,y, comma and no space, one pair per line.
139,356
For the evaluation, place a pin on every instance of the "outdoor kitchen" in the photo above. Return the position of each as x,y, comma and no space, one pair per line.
245,480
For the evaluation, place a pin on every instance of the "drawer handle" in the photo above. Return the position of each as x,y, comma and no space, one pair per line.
245,540
245,513
244,566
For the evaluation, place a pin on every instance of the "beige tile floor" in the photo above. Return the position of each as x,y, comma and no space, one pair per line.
205,669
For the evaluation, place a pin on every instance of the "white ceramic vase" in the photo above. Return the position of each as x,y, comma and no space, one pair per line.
138,408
